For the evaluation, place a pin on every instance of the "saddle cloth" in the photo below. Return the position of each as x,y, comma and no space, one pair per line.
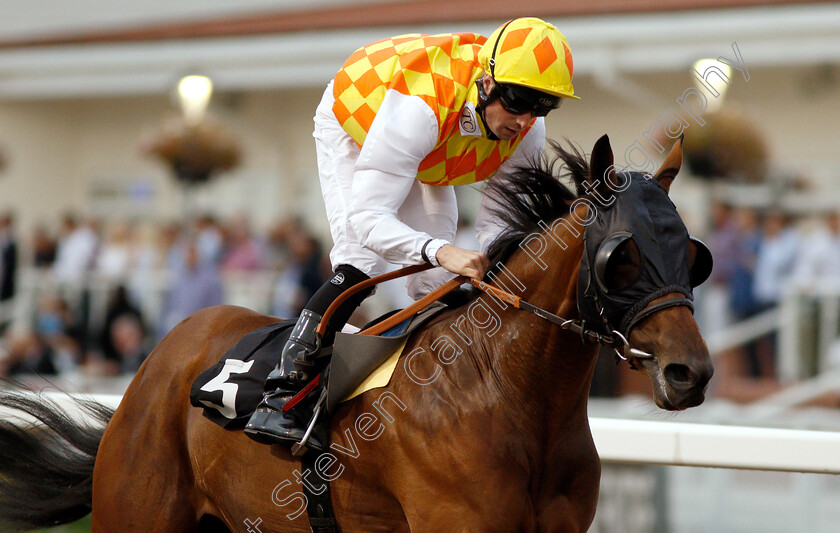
231,389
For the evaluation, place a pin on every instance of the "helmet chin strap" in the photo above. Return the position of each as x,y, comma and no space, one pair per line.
484,100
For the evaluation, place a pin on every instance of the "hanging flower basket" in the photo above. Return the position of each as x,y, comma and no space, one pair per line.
194,153
727,146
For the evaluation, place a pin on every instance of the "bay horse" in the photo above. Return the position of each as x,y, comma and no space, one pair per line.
482,427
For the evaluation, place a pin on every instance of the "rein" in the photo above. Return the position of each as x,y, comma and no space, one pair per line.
616,340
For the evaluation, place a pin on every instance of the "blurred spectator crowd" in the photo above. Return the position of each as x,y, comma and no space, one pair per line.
96,297
759,255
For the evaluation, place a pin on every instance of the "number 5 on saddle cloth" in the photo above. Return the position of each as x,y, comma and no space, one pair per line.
230,390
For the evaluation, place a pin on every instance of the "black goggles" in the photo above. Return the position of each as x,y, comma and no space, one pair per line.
520,100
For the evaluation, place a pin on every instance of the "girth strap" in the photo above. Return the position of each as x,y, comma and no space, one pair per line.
318,506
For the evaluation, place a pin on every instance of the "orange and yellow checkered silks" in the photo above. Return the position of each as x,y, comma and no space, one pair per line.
439,69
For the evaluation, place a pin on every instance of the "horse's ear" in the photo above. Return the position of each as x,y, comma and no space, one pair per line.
671,166
601,169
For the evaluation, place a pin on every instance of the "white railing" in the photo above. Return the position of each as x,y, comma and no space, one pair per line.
682,444
712,445
743,332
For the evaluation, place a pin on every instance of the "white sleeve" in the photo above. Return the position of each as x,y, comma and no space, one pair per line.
404,132
487,226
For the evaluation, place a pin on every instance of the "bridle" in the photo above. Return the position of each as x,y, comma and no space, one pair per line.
632,264
615,339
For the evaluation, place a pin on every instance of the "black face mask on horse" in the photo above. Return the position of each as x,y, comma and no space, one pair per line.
636,250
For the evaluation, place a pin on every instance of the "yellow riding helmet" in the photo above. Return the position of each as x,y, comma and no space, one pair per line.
530,52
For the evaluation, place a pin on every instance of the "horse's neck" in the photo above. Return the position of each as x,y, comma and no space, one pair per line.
549,368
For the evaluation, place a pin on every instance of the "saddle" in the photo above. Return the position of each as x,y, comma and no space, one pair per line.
230,390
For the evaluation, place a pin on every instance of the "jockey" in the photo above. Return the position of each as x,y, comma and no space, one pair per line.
403,121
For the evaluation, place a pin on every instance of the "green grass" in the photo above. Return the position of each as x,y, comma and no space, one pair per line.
82,526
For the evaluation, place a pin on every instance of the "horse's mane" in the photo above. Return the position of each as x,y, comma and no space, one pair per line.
534,192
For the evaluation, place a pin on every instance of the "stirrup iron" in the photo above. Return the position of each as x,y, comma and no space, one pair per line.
300,448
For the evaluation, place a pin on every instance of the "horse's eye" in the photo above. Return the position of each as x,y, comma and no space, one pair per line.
623,267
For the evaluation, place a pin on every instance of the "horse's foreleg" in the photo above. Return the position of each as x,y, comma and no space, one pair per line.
462,519
563,515
471,509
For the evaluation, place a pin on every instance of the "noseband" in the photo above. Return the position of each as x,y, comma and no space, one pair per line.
620,342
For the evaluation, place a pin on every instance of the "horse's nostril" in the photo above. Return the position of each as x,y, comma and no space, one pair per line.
679,376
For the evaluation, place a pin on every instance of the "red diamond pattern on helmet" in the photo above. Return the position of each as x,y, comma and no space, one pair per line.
545,54
514,39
